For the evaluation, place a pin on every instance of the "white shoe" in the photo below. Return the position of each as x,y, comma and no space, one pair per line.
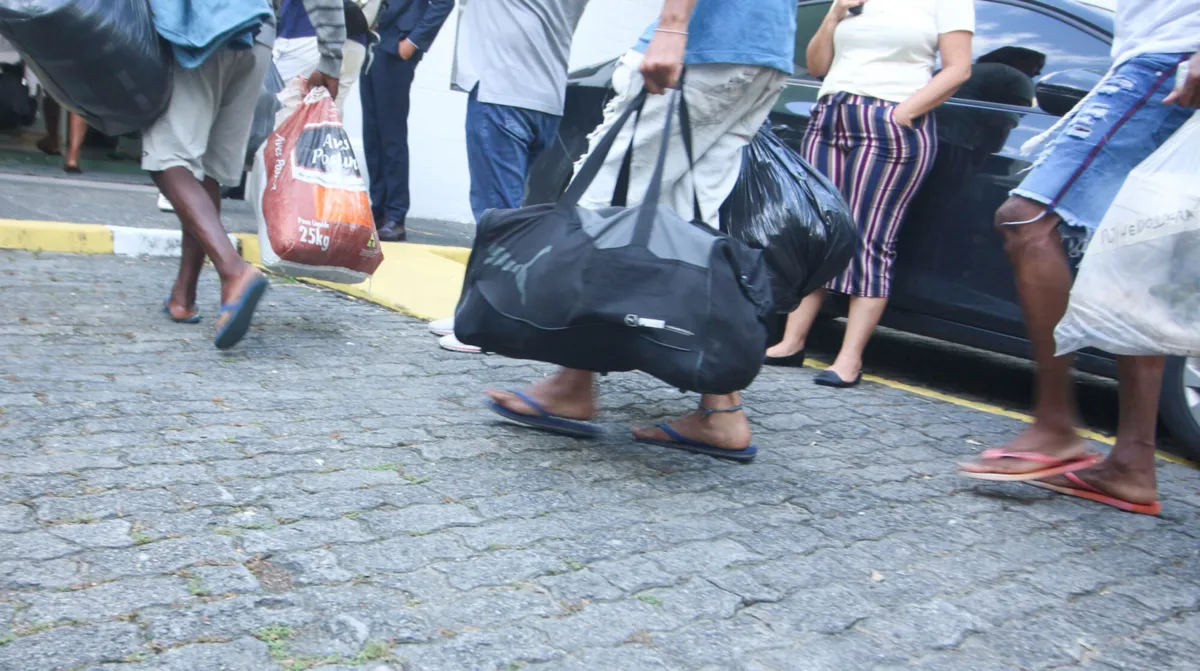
442,327
451,343
164,204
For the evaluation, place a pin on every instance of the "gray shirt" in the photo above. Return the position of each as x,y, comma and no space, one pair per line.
516,51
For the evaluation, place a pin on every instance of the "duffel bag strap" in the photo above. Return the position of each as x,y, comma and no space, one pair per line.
595,160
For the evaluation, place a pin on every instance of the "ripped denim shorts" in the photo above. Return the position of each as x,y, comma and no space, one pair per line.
1123,121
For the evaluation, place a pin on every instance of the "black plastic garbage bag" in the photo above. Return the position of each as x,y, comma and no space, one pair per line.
264,113
100,58
783,206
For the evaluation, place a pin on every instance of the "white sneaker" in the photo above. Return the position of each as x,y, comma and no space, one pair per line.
442,327
164,204
451,343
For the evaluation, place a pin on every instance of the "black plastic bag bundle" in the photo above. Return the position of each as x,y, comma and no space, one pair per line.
783,206
100,58
264,113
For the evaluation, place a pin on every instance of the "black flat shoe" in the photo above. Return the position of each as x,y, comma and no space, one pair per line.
790,361
828,378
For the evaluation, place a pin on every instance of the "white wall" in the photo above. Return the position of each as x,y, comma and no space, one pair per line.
438,172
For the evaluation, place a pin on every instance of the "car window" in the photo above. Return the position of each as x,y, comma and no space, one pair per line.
1000,29
808,21
1022,32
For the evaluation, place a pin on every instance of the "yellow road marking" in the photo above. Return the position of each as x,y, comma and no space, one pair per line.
53,236
997,410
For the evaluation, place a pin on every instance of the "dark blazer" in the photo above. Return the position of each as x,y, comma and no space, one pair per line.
417,20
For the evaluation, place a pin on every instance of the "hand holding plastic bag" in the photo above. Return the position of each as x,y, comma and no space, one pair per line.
783,206
314,215
1138,288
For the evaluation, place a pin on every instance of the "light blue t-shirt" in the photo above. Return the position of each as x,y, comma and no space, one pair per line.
739,32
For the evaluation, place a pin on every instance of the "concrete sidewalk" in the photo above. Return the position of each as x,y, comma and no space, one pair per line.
332,494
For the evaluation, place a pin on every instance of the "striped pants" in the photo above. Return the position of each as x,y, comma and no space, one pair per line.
878,165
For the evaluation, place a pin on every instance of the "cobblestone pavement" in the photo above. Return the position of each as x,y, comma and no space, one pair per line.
332,493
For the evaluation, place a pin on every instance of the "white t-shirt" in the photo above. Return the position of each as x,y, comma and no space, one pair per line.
1156,27
890,50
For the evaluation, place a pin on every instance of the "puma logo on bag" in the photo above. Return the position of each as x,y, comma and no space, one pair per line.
500,257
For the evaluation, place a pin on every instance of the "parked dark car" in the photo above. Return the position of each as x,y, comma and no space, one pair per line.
953,280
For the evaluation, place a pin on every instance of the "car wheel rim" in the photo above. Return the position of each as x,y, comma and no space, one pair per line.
1191,386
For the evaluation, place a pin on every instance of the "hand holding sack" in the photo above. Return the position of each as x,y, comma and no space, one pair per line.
1138,288
800,220
101,59
314,214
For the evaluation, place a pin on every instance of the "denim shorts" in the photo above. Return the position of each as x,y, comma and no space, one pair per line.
1122,122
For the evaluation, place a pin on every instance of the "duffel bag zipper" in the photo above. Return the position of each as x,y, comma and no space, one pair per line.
656,324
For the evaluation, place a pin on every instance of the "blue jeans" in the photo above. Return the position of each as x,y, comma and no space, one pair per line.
502,142
1084,165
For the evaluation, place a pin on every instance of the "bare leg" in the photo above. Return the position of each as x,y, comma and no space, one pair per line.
865,314
799,323
52,115
1044,284
1128,472
199,215
569,393
728,430
77,132
191,261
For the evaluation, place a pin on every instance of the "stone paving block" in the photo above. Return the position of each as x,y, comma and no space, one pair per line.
243,654
305,535
159,557
106,534
34,545
216,580
15,518
103,505
104,601
71,647
343,498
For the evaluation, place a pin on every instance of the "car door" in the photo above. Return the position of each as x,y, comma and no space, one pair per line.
951,263
951,267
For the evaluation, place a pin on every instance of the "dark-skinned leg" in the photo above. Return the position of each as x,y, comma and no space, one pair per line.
77,128
52,115
191,262
1044,285
200,218
1128,472
569,393
727,430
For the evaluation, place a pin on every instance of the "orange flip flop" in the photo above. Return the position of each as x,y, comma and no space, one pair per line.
1054,465
1085,491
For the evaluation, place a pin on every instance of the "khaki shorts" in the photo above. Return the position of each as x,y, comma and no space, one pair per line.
727,103
207,125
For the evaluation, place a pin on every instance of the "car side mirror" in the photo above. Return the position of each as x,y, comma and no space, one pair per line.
1058,92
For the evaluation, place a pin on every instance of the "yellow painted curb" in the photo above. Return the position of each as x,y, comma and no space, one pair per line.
997,410
53,236
456,254
413,279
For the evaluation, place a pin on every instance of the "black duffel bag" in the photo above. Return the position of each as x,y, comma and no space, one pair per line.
100,58
618,289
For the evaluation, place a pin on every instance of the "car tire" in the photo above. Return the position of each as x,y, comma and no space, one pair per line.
1180,404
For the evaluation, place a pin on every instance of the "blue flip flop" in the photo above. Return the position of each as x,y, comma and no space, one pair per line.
194,319
575,428
241,312
681,442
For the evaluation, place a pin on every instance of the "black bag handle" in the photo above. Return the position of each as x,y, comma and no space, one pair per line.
591,167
